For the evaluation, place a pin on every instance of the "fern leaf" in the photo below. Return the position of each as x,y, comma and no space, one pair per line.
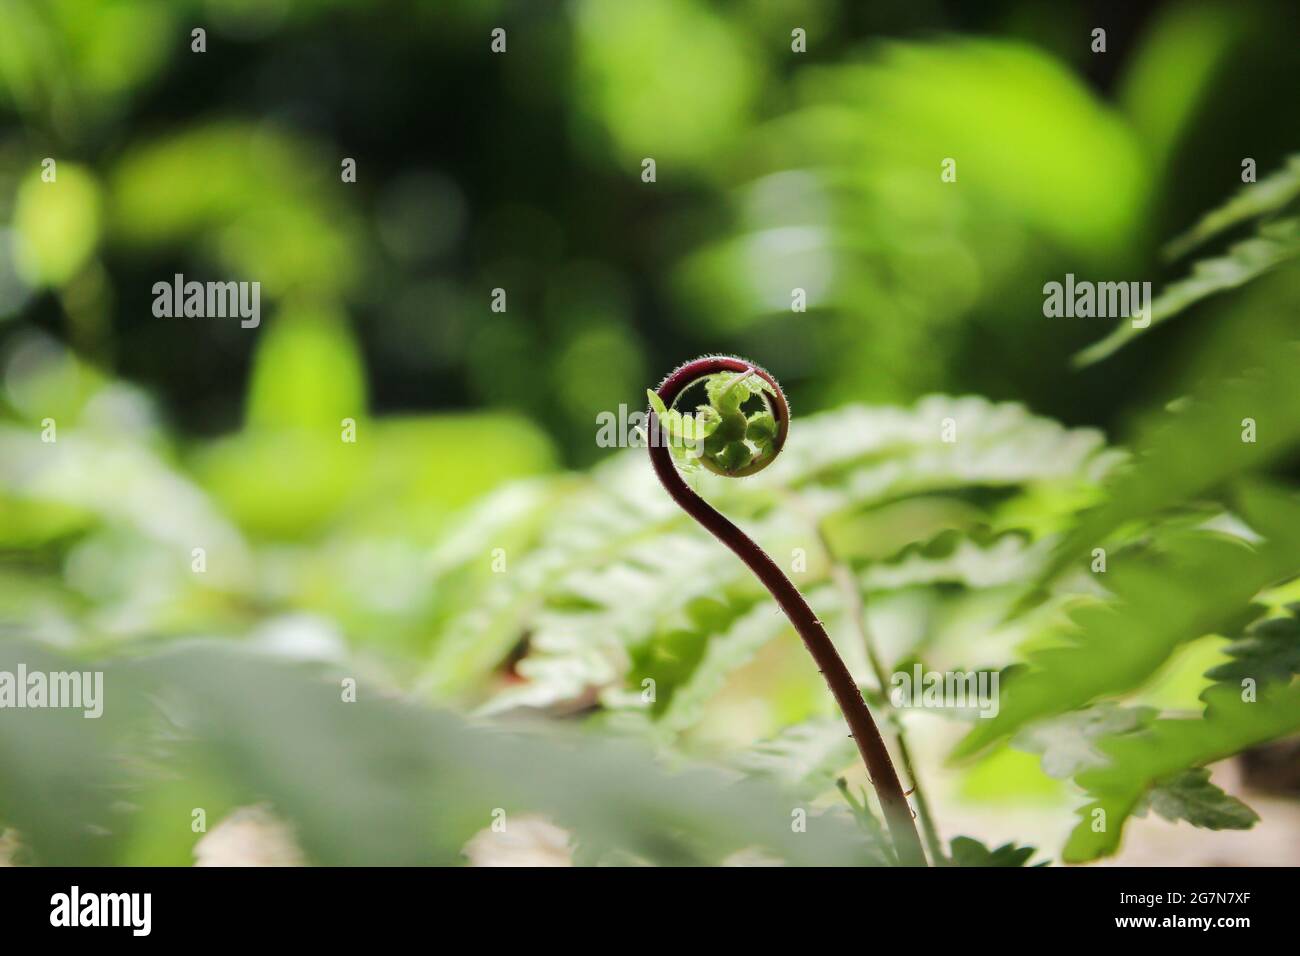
1191,796
1261,675
1196,585
1169,747
1268,195
806,757
1186,453
357,780
621,588
1275,243
724,654
1269,651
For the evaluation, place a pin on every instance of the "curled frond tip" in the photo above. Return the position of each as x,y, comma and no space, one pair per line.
737,430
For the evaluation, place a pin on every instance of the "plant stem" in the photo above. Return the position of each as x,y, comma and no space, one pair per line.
857,612
880,768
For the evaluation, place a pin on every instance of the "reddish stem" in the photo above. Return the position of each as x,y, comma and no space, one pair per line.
880,768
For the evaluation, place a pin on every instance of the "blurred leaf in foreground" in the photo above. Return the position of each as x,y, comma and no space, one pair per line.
370,781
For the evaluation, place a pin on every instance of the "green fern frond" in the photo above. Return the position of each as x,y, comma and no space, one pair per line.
1168,748
807,757
1269,195
1192,584
1273,244
620,589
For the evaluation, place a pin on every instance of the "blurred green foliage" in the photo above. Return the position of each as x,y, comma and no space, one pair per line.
474,548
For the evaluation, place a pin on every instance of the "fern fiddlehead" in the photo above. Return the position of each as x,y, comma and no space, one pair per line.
726,440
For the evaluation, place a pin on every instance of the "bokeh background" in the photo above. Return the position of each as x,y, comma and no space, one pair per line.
775,170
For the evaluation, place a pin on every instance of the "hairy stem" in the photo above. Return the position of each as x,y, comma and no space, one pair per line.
880,768
857,612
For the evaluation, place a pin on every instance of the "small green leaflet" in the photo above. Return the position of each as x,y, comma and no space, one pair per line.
685,432
728,391
969,852
1191,796
1268,651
